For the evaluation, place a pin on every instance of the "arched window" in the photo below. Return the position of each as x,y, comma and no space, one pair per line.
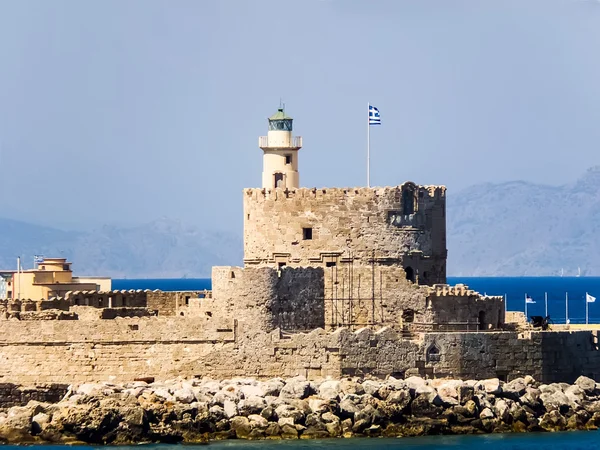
433,354
408,200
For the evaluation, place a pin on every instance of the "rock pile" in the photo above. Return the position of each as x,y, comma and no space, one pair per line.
199,410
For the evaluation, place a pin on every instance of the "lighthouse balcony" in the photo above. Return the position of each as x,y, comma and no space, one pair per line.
294,142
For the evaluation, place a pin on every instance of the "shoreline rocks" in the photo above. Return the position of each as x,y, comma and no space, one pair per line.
200,410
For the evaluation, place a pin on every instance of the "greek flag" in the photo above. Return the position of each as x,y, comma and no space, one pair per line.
528,299
38,259
589,298
374,117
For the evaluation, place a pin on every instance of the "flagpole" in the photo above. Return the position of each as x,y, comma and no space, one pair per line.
566,307
546,301
19,274
505,305
525,307
586,308
368,146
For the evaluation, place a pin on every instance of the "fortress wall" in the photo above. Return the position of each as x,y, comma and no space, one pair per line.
170,303
121,349
247,295
466,309
25,305
115,299
547,356
356,223
356,296
16,395
299,304
266,299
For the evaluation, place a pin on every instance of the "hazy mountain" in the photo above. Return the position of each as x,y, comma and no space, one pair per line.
519,228
514,228
162,248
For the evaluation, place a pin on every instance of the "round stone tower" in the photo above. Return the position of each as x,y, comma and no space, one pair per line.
280,159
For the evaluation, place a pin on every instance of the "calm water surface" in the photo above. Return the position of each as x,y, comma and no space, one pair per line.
578,440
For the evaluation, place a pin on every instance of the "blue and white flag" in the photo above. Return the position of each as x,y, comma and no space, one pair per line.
589,298
374,117
38,259
528,299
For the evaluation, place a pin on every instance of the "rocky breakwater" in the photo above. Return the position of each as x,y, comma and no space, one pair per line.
200,410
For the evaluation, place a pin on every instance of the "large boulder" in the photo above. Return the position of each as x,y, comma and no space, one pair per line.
399,399
230,408
465,393
555,401
414,383
348,386
349,406
184,395
514,389
371,387
241,426
289,412
296,388
330,390
586,384
251,405
251,390
553,421
490,386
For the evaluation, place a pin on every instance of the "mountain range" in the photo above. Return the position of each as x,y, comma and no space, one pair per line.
160,249
508,229
525,229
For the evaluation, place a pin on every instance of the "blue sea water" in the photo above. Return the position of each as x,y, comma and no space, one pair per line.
574,440
556,288
514,288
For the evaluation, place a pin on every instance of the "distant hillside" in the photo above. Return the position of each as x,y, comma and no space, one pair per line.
520,228
162,248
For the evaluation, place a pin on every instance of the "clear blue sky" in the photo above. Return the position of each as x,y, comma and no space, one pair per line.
138,109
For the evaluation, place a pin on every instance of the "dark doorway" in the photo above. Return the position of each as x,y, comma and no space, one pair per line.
410,274
482,323
279,180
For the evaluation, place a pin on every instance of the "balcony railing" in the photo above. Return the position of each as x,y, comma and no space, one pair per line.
295,142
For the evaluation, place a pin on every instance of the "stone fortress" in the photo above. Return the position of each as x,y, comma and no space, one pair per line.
336,282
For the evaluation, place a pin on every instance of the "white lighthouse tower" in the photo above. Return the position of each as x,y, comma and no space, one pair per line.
280,159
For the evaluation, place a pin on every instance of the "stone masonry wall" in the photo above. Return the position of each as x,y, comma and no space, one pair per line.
358,224
170,347
33,352
457,308
266,299
357,296
547,356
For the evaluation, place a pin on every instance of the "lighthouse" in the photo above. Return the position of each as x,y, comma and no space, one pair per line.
280,153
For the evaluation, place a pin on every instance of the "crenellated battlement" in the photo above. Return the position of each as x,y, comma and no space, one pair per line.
280,194
445,290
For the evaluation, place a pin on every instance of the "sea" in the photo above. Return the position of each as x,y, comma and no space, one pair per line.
572,440
561,298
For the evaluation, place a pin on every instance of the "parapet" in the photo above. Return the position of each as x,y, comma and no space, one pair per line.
432,191
445,290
